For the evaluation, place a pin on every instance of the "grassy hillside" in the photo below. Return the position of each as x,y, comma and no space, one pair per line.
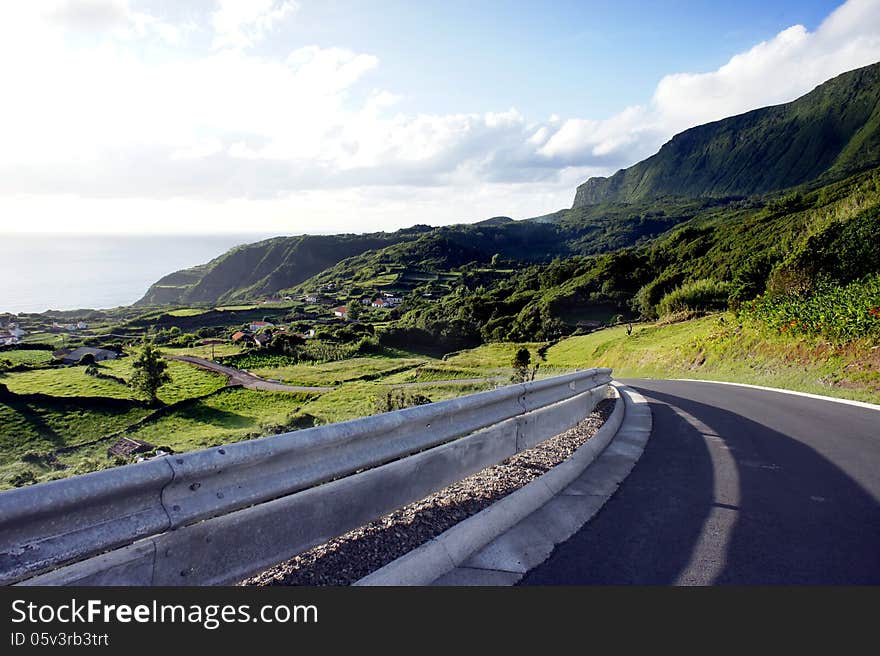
261,268
780,245
721,347
831,132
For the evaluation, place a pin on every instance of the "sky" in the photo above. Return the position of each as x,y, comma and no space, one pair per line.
322,116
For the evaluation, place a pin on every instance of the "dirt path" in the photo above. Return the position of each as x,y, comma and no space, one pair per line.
243,378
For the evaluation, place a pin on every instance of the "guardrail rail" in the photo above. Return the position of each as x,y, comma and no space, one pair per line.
216,516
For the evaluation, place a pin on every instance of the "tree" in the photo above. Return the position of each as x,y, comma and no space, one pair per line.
355,309
520,363
150,372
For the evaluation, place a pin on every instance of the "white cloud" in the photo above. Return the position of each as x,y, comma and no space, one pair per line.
102,118
242,23
114,18
772,72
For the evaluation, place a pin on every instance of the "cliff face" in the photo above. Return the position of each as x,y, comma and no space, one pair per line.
829,133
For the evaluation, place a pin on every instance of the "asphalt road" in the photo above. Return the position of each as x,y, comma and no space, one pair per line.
245,379
736,486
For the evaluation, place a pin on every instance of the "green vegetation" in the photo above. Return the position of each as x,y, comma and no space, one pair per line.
720,347
768,220
187,381
335,373
696,296
227,416
64,381
840,314
17,357
150,373
34,429
827,134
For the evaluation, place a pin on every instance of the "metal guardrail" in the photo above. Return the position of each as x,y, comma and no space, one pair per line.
218,515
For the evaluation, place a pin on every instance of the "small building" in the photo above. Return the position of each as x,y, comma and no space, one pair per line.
261,339
81,325
380,303
341,312
98,353
260,325
126,447
238,336
311,298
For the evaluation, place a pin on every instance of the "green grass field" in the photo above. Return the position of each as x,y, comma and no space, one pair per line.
229,416
358,399
27,357
187,381
64,381
39,428
491,355
335,373
186,312
719,347
204,351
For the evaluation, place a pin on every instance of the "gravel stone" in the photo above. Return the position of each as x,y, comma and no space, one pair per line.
351,556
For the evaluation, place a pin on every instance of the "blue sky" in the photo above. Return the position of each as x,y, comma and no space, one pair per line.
561,57
292,116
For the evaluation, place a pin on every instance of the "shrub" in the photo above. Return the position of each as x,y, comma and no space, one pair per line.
24,478
838,313
398,400
700,295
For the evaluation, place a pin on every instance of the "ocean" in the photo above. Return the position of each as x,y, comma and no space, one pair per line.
40,272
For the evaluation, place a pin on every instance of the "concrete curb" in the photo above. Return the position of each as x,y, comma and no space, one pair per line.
451,556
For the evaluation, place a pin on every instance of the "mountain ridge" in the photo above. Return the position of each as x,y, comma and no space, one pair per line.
723,167
829,133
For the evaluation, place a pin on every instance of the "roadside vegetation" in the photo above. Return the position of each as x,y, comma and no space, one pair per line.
780,290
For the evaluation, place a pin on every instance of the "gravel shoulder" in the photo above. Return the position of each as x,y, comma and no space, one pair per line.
350,557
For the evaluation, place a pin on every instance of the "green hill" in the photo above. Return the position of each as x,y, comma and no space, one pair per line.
704,197
831,132
248,271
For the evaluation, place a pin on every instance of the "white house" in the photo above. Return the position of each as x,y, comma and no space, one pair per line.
341,312
259,325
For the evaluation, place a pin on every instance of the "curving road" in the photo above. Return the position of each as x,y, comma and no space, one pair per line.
737,486
243,378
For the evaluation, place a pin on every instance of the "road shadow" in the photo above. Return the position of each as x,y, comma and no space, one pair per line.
797,517
646,532
801,519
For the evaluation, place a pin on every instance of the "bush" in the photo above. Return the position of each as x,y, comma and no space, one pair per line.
398,400
700,295
647,297
838,313
24,478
